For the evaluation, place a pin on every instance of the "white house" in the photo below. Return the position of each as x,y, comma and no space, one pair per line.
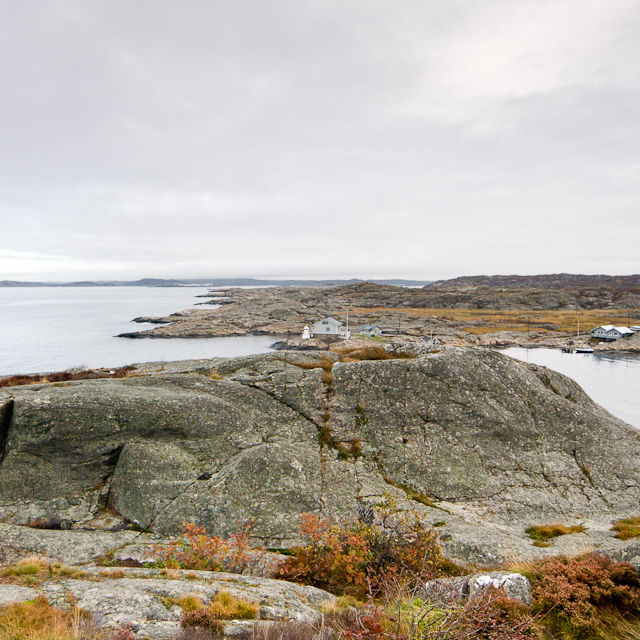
329,327
609,332
370,330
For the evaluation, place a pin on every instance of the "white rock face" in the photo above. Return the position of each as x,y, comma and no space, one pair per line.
516,585
448,590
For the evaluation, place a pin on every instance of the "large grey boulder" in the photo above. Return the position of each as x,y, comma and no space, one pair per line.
491,440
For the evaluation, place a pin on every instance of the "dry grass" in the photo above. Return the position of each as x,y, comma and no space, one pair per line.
227,607
67,376
37,620
188,602
511,320
544,532
326,364
115,574
223,607
627,529
374,352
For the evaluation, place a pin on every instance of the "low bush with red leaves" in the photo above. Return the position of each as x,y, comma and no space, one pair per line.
197,550
578,595
359,558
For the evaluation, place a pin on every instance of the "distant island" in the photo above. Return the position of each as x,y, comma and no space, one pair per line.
496,311
211,282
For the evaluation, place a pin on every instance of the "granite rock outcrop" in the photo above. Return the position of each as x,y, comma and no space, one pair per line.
468,436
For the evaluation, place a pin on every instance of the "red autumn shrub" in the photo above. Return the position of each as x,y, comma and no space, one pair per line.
211,553
494,616
359,558
580,592
365,623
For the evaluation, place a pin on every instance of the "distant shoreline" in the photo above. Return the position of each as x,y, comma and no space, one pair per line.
212,282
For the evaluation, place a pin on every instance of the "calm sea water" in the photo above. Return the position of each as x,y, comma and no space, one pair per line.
613,381
52,329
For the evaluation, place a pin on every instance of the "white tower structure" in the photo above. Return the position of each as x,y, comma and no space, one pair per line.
306,335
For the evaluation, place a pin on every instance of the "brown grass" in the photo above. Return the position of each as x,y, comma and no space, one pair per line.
514,320
326,364
627,529
223,607
113,573
66,376
374,352
544,532
37,620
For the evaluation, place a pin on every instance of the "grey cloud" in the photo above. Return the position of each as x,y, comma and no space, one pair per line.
375,138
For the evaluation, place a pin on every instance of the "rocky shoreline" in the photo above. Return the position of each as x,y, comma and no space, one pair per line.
285,311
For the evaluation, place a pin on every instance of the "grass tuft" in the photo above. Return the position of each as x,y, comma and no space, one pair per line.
223,607
627,528
417,496
38,620
544,532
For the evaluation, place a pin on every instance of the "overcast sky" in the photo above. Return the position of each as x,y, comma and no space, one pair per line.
318,138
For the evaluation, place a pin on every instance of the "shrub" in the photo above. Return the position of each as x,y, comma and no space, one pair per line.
627,529
211,553
289,630
359,558
494,616
578,595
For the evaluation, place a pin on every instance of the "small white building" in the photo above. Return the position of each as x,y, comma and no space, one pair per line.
370,330
609,332
329,327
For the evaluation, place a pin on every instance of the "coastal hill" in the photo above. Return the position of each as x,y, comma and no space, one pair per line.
559,291
457,315
553,281
482,444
